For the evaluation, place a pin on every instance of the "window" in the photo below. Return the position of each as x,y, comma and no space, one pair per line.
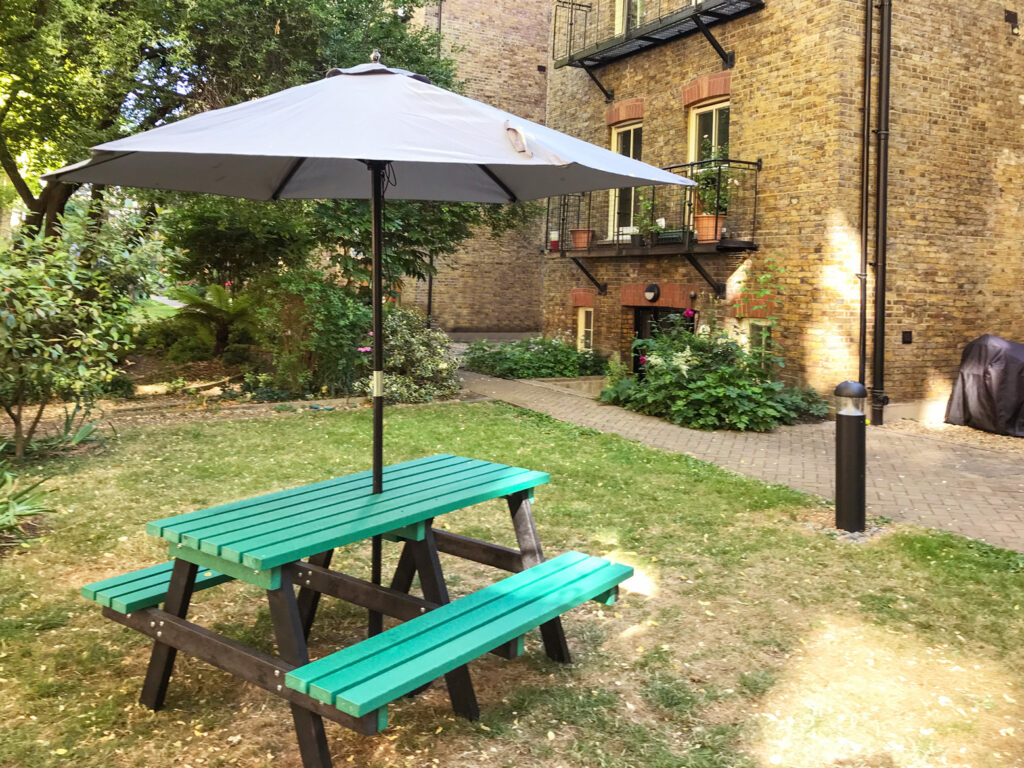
709,130
585,328
629,14
626,140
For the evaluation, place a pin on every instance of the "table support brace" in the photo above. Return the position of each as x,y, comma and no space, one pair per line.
236,659
309,599
529,545
161,660
460,685
291,646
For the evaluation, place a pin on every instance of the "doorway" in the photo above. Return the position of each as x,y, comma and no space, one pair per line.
646,321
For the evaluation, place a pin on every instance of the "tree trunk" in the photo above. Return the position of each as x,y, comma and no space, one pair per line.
221,334
47,209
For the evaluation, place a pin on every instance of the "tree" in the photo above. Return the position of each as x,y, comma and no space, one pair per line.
74,73
65,312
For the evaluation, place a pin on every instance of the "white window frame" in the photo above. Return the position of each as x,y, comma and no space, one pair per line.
583,343
620,14
694,113
613,194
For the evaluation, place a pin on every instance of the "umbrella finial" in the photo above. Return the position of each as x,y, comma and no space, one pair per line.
375,56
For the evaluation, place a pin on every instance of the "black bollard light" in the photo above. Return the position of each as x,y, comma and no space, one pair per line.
850,456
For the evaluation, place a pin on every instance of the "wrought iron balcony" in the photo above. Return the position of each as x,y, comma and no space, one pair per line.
718,215
595,32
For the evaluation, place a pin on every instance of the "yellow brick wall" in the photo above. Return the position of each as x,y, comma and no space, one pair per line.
493,284
956,172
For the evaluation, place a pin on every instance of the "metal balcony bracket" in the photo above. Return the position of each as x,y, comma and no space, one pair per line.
602,288
609,93
728,57
717,287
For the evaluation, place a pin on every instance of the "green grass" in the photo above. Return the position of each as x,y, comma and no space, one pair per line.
735,587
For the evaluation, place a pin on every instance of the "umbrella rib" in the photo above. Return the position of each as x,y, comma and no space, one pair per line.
114,156
504,187
292,170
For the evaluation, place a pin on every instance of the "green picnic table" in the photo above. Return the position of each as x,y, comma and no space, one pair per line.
284,541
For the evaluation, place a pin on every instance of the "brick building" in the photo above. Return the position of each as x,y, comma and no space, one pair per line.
502,50
781,83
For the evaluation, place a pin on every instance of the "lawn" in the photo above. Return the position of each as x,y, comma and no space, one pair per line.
746,638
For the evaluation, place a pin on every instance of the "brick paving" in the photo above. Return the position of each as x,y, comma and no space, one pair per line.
911,478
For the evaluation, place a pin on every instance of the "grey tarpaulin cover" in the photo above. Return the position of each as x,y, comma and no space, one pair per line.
989,390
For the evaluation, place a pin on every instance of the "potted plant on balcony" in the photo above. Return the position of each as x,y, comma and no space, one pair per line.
581,238
648,226
714,182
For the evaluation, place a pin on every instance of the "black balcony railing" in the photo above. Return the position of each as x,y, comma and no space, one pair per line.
593,32
716,215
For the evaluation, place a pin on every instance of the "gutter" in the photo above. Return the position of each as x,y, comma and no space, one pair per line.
878,397
865,170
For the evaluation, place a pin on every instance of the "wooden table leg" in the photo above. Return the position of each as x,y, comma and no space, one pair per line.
428,564
375,618
405,570
529,545
291,647
161,660
309,599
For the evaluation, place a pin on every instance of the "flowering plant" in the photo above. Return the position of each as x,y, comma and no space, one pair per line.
715,179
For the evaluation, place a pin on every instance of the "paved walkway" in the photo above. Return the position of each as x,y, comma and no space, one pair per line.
911,478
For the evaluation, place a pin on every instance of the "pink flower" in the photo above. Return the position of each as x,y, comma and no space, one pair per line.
371,333
365,349
688,313
643,360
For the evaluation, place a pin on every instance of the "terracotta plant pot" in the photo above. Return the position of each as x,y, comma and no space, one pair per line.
581,238
709,227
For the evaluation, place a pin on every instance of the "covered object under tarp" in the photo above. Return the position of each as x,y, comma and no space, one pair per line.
989,390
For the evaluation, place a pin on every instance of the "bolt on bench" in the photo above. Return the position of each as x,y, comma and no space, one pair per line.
285,540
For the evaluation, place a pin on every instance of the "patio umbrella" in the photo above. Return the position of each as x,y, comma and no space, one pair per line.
321,140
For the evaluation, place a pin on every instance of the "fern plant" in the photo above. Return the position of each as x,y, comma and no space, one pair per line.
217,310
17,504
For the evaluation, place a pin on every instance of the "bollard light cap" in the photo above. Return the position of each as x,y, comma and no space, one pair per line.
851,389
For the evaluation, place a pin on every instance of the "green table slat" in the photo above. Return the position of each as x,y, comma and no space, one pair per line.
181,524
371,674
377,644
216,536
144,588
434,504
387,664
360,513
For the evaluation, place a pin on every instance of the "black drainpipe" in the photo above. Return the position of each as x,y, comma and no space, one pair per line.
878,397
865,193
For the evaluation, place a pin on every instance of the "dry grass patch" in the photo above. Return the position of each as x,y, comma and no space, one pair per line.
726,619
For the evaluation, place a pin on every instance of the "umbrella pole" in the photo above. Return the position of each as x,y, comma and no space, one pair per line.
377,215
377,170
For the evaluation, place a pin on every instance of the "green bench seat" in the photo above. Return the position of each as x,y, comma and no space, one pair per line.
366,677
145,588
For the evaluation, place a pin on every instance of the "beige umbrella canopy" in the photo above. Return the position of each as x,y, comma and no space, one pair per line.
323,139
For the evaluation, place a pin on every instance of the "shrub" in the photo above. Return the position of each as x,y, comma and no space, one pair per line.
119,385
190,349
418,363
313,328
707,380
66,314
804,403
535,358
